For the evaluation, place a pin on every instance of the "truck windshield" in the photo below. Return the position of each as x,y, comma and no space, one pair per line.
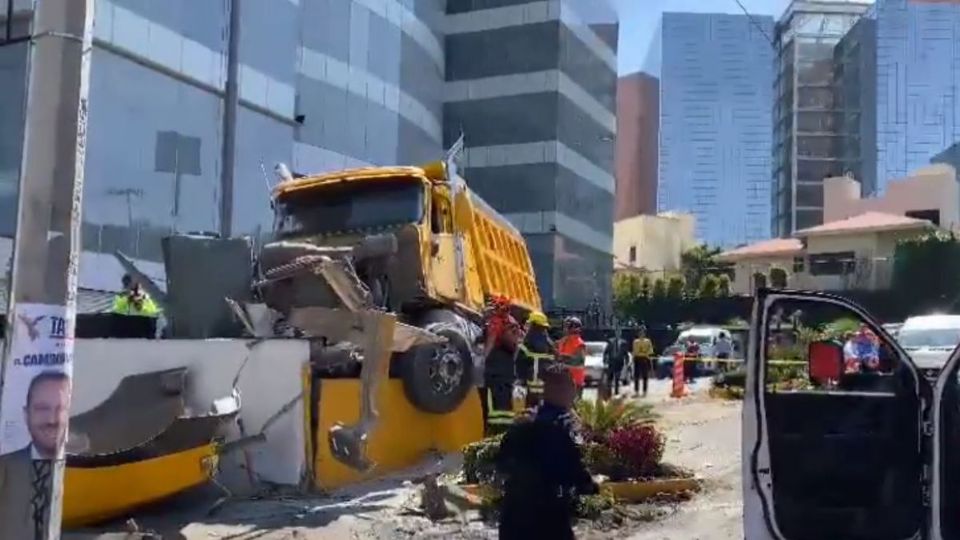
351,206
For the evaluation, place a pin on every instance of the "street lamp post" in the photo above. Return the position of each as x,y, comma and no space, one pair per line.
42,312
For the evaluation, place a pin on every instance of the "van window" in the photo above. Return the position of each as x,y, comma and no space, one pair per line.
929,337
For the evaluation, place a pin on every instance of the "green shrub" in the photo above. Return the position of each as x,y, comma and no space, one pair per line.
599,458
479,460
675,287
778,278
723,285
709,286
599,418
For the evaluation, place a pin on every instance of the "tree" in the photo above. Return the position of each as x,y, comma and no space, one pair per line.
759,280
675,288
723,285
697,262
778,278
646,288
626,291
659,289
709,287
925,272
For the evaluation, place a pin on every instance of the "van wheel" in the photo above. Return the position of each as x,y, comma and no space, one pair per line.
436,378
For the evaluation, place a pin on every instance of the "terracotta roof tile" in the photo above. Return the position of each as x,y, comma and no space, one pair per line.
767,248
868,221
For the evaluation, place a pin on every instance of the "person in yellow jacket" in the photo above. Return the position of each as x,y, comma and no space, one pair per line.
642,361
133,300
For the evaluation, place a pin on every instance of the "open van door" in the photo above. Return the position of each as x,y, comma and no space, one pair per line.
833,446
946,451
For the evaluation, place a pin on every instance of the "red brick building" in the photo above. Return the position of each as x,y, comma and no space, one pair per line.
638,148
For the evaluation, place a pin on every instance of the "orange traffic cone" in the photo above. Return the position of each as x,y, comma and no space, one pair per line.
679,381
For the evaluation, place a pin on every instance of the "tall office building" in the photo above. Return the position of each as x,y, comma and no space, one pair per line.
715,94
638,144
532,86
855,76
918,83
808,114
322,85
327,84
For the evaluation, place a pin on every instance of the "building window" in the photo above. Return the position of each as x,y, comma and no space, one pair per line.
633,254
832,264
798,265
933,216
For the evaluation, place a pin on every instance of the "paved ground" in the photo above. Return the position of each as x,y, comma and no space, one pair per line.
704,435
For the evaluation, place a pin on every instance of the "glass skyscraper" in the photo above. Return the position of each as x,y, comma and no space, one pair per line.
811,114
716,87
328,84
918,84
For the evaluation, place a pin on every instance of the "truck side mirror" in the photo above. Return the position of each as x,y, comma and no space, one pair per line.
824,361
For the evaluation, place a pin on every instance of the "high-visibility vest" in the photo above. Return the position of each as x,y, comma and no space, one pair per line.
570,350
535,383
495,416
123,306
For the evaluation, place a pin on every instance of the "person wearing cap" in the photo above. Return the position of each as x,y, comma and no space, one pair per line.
536,352
133,300
572,351
543,468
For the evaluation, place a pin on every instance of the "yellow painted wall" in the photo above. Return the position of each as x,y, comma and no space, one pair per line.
403,436
659,241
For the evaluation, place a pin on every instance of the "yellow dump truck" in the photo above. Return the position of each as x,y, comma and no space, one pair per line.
451,253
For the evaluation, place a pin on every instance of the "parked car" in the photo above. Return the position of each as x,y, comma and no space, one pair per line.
893,329
594,361
929,339
595,366
664,366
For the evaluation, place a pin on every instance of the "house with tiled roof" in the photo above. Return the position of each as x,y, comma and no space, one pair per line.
851,253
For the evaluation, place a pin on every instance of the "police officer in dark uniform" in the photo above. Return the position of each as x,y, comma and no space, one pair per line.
543,468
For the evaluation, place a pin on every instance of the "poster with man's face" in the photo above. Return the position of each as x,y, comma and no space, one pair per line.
35,406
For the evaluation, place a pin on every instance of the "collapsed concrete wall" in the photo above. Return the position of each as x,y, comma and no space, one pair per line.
270,378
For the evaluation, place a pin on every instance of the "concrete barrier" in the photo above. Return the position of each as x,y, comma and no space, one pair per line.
271,378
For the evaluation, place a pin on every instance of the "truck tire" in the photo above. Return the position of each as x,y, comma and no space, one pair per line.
437,378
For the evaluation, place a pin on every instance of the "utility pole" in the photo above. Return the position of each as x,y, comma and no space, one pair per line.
231,99
42,312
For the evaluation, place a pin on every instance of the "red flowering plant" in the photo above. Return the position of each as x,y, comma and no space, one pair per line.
639,447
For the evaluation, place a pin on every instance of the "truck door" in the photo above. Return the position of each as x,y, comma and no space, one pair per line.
443,263
946,446
832,440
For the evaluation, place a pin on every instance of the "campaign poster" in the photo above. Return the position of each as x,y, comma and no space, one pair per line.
35,406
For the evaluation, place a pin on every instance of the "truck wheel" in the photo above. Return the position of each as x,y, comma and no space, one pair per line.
436,378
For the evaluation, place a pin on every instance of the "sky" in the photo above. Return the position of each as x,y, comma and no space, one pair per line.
639,19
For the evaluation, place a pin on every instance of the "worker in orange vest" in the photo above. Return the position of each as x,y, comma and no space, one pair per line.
573,351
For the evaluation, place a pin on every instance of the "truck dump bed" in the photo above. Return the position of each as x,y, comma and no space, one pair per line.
501,255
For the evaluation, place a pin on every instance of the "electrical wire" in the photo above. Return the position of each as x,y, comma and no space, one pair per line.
756,24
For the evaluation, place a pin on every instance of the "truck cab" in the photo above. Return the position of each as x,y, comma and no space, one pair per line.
453,252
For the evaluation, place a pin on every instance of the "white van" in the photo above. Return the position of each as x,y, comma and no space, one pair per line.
706,337
929,339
